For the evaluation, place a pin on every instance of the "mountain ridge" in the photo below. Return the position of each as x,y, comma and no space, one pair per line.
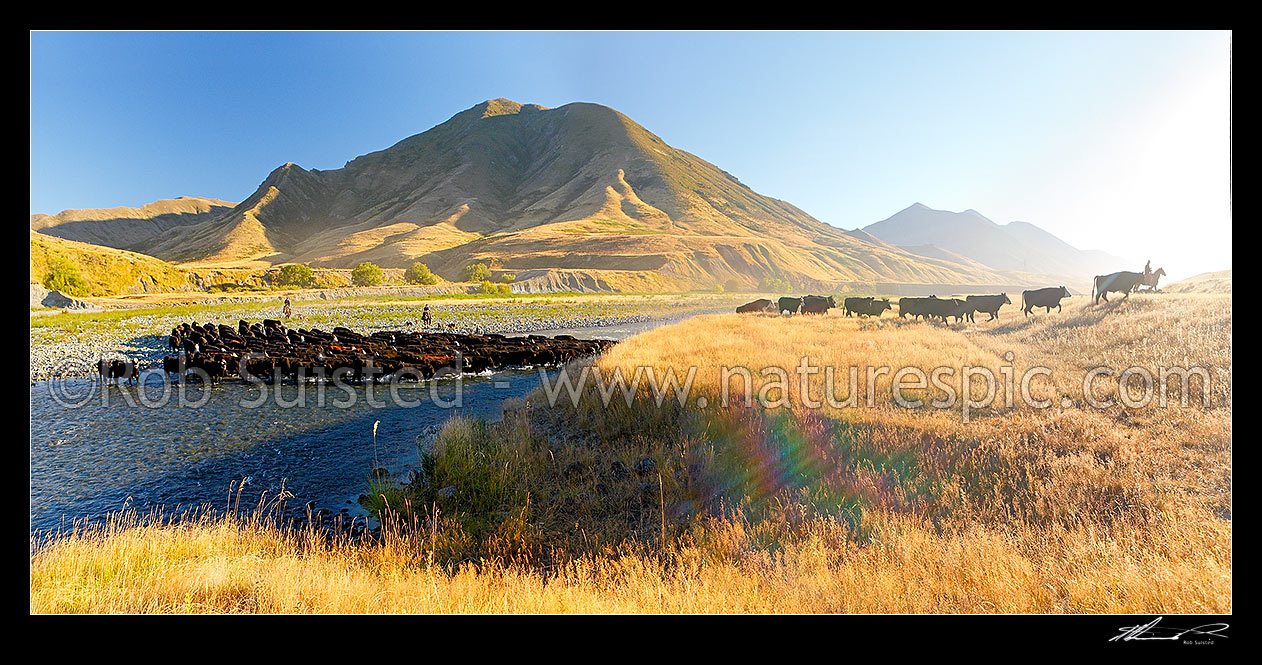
576,187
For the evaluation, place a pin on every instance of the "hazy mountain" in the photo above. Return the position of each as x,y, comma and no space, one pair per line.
1013,247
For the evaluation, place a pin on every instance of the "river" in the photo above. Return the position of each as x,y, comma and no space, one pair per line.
118,447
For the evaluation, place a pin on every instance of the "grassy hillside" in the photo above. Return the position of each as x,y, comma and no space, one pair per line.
101,271
1206,282
625,505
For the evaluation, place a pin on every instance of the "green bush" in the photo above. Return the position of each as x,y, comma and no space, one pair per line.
296,274
64,276
475,272
489,288
367,274
420,273
508,277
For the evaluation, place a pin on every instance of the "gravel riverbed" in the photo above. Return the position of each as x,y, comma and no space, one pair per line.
72,347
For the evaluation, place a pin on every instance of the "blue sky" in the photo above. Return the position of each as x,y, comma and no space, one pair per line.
1112,140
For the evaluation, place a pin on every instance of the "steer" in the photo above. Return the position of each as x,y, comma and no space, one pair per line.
944,308
1047,298
817,304
760,305
1118,282
917,307
867,306
790,305
989,304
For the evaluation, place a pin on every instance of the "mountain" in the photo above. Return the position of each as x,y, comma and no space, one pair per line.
579,194
1016,247
123,227
576,188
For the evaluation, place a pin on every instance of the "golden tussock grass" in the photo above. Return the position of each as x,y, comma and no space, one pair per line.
638,508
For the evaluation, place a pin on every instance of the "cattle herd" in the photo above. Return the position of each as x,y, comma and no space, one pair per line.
947,310
268,351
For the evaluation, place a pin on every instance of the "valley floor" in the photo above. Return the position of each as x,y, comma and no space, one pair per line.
69,344
591,500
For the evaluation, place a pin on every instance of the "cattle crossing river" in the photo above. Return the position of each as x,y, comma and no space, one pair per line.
108,454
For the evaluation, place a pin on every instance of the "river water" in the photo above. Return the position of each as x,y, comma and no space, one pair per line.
117,447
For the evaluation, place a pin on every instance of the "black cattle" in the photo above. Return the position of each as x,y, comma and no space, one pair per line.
173,365
851,305
212,366
917,307
790,305
817,304
1048,298
866,306
944,308
989,304
1118,282
760,305
113,370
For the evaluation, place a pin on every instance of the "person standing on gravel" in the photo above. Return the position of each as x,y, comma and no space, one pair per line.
288,310
426,317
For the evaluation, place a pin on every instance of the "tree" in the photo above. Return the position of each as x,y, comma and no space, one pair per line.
508,277
419,273
296,274
475,272
366,274
733,285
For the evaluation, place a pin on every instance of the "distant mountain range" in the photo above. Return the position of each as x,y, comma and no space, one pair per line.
1012,247
576,189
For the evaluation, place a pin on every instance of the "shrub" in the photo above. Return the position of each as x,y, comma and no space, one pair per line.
367,274
475,272
733,285
296,274
508,277
489,288
775,285
64,276
420,273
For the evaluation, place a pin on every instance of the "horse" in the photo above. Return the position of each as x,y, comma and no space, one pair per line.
1150,280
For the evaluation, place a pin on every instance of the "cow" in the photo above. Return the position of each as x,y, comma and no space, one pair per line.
988,304
944,308
867,306
1047,298
1118,282
113,370
789,305
817,304
760,305
173,365
917,307
851,305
